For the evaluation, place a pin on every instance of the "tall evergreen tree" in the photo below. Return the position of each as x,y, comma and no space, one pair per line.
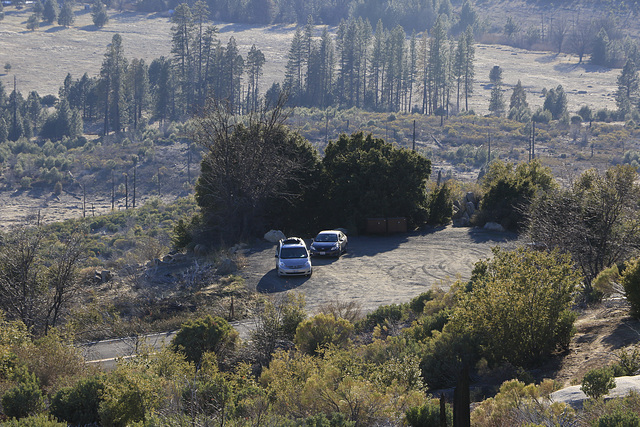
556,102
138,82
99,14
50,11
66,16
201,16
255,62
233,68
496,100
182,35
459,62
112,74
628,88
16,123
469,67
518,105
437,65
294,67
600,52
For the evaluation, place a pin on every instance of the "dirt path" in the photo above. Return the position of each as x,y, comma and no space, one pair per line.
380,270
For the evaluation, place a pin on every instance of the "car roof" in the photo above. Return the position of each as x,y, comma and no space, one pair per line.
292,241
330,232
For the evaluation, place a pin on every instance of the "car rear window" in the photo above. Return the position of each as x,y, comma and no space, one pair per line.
327,238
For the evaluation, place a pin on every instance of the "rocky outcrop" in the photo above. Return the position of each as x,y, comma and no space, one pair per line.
464,209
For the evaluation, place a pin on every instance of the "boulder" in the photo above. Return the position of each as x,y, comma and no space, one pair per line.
471,208
274,236
471,198
226,267
493,226
462,221
200,250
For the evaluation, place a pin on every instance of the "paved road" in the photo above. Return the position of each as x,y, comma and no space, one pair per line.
380,270
376,270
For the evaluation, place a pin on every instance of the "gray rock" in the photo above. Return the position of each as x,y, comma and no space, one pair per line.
574,397
493,226
470,197
226,267
274,236
471,208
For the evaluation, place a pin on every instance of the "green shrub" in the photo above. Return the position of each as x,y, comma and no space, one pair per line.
381,315
628,362
41,420
210,333
417,303
24,399
322,330
631,285
79,404
440,205
428,415
518,305
597,382
619,419
321,420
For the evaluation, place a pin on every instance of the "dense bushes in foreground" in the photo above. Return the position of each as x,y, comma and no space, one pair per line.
368,371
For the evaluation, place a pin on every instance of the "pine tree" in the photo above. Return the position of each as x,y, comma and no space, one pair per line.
628,88
518,105
66,16
38,9
201,15
294,67
182,36
255,62
556,102
469,67
99,14
33,23
233,67
50,11
112,74
138,81
377,67
459,65
496,100
600,52
437,66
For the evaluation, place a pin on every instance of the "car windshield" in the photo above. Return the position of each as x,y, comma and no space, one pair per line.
327,237
293,252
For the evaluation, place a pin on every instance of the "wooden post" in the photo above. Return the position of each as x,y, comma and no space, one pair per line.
135,169
113,192
414,135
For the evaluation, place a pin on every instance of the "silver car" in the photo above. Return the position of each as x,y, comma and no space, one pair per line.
293,258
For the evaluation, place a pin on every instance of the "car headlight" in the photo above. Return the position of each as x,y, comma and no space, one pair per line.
308,263
282,265
336,246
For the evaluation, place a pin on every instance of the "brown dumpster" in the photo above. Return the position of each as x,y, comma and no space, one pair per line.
376,225
397,225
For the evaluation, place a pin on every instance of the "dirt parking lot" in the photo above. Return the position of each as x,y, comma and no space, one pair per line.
379,270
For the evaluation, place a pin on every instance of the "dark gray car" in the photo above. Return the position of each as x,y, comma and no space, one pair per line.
330,243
